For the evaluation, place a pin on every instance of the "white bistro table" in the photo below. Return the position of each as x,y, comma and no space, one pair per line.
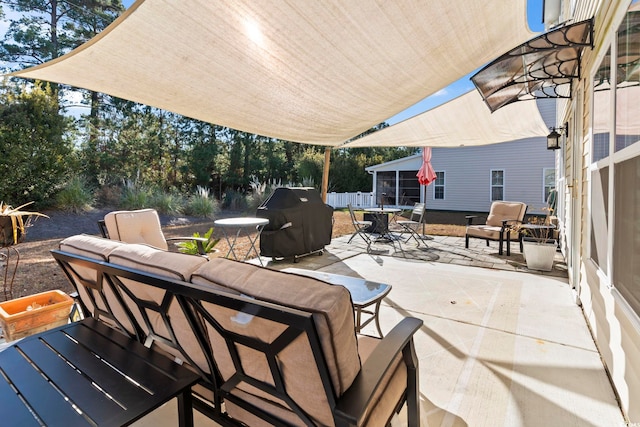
232,228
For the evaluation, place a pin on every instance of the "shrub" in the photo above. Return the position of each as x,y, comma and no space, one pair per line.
166,203
260,192
134,197
36,154
308,181
201,205
75,197
234,200
109,195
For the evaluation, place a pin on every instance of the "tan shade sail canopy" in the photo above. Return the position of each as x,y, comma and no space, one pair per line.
463,121
318,72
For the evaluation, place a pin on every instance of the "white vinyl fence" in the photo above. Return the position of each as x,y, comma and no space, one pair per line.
359,199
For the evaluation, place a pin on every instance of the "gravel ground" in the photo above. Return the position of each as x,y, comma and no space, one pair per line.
64,224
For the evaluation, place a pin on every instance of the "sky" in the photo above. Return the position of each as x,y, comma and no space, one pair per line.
460,87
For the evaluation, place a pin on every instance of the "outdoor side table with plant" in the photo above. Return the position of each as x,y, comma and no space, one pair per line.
538,243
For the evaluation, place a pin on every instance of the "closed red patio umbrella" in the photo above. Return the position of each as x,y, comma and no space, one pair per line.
426,174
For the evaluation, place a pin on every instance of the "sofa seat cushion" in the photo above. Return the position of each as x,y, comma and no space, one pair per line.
333,317
488,232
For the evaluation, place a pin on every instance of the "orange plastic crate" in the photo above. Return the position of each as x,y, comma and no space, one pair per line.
53,308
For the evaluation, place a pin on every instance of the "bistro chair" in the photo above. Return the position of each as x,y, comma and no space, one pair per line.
360,228
412,224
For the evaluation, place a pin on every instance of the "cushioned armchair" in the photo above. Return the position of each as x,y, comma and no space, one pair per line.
141,226
499,224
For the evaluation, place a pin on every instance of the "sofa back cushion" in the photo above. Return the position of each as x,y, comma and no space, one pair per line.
501,211
333,317
96,295
139,226
162,320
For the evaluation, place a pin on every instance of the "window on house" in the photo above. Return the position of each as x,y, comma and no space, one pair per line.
497,184
549,182
438,186
627,81
623,166
409,188
600,217
601,109
626,238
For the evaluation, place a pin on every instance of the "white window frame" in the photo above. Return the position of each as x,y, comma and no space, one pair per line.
444,185
612,161
491,185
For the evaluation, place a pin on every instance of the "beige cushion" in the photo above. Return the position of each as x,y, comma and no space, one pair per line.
378,413
140,226
334,320
173,265
89,246
489,232
86,281
501,211
484,231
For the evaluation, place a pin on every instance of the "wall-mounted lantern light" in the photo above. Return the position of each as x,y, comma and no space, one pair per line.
553,139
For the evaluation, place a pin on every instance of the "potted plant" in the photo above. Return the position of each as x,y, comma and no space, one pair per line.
191,246
14,222
31,314
538,243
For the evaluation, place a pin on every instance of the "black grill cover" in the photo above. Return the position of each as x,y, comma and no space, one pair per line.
299,222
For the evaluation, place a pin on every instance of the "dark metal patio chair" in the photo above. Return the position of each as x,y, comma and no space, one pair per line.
360,226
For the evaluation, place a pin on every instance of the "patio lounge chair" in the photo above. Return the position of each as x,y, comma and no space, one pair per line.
499,224
411,224
360,228
141,226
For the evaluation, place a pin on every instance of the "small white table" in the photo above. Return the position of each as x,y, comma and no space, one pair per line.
249,225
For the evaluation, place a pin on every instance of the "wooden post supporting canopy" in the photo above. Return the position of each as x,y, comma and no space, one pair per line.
325,173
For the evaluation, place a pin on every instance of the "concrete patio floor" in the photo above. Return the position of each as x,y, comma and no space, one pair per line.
500,345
